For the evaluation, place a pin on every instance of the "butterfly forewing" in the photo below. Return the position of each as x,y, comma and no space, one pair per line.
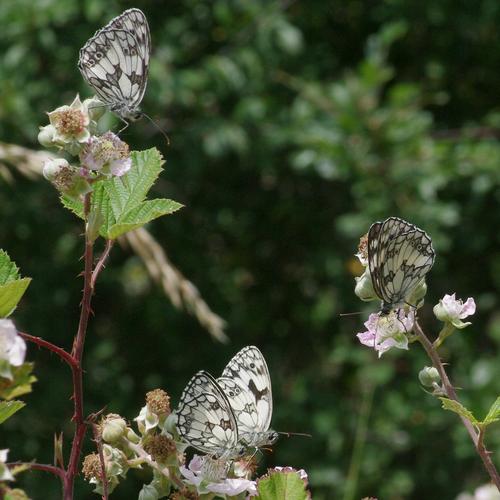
115,62
253,403
399,257
205,418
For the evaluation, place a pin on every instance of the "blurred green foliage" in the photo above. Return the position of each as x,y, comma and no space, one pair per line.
293,126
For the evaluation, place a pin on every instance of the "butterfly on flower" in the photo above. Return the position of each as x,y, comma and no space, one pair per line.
247,384
399,256
115,62
225,417
206,421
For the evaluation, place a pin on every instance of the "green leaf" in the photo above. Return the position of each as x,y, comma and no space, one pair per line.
8,270
8,408
12,288
20,384
128,191
282,485
11,294
75,206
493,413
140,215
455,406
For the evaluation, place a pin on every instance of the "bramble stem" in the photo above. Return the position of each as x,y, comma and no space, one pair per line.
451,394
100,263
43,467
77,354
62,353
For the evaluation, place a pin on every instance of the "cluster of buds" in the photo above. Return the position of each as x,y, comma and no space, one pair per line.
124,448
73,129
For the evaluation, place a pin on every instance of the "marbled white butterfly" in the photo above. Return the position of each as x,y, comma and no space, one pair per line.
206,421
115,61
225,417
399,256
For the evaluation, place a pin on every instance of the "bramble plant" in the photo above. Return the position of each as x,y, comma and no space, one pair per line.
106,186
391,262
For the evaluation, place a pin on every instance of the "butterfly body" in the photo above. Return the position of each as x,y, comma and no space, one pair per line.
115,63
399,256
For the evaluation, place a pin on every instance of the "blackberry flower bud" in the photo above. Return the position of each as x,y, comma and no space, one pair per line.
429,376
65,178
113,428
364,287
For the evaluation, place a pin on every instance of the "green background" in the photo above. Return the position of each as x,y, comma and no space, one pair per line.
293,126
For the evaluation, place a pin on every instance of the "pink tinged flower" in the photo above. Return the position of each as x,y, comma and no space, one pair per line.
209,476
452,310
12,348
385,332
106,154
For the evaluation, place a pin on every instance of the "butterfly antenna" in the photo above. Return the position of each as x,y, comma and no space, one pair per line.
350,314
303,434
158,127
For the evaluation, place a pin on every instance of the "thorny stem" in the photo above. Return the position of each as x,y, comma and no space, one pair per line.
477,439
77,354
43,467
63,354
100,263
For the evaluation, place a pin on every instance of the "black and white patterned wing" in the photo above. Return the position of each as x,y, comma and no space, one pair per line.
399,257
409,258
254,406
115,61
206,420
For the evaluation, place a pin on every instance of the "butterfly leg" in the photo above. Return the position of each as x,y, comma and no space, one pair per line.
123,128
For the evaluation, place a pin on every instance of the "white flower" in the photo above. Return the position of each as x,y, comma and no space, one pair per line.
12,348
387,331
484,492
5,474
146,420
209,476
452,310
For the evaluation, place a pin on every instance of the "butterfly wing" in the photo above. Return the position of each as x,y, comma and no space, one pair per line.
205,419
115,61
254,405
399,257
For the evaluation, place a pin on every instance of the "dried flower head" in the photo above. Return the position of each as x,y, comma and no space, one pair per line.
184,494
65,178
362,254
158,401
91,467
160,447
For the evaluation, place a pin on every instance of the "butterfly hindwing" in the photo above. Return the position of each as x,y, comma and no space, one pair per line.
399,257
205,418
115,62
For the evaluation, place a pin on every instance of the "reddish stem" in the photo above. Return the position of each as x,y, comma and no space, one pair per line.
43,467
63,354
100,263
451,393
77,353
